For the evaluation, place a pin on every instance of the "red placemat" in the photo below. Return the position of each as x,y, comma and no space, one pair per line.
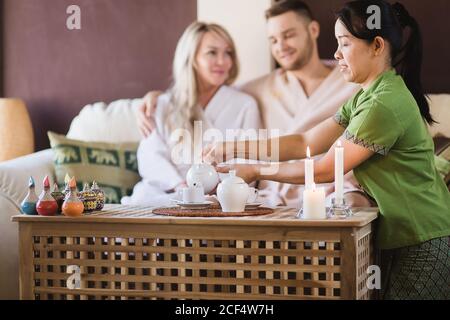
210,212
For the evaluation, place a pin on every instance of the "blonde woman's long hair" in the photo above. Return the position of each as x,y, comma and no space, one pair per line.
184,90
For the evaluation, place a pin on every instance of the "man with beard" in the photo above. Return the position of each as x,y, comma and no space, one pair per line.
303,92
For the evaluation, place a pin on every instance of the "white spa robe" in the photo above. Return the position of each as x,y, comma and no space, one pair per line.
228,109
285,106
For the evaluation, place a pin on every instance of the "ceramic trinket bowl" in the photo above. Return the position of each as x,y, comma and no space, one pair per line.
89,198
100,194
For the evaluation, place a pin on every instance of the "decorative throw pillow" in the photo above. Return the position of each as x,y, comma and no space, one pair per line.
113,166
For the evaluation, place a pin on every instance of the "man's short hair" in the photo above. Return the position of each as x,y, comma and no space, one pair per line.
283,6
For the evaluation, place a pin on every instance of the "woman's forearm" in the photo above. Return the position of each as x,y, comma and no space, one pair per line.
283,148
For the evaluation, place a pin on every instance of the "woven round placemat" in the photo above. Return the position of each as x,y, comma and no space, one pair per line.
210,212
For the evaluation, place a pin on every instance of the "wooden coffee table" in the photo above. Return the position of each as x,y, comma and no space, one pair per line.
126,252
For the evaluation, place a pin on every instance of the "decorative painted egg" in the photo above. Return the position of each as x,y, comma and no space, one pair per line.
100,194
89,198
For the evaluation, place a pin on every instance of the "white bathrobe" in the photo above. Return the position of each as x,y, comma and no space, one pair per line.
228,109
285,106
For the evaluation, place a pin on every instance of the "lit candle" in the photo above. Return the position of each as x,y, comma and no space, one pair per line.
339,173
309,170
314,203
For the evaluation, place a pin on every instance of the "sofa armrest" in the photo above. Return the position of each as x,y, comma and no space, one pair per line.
9,250
14,176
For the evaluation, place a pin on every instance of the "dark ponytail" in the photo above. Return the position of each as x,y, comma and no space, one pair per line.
407,57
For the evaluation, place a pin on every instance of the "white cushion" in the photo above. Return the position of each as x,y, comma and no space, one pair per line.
440,110
114,123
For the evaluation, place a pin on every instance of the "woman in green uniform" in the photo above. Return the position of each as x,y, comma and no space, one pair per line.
387,145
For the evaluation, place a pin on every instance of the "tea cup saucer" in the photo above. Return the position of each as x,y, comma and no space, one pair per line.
193,205
252,205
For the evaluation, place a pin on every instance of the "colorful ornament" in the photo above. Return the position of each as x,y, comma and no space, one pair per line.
100,195
73,206
58,196
47,205
28,204
89,198
66,185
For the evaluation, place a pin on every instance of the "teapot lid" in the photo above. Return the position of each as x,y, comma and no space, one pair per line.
233,179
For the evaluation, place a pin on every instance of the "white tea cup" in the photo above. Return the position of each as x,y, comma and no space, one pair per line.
194,194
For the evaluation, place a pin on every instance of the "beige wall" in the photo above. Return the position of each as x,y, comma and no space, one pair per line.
124,49
244,19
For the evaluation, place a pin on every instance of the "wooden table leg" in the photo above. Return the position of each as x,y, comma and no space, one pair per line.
26,266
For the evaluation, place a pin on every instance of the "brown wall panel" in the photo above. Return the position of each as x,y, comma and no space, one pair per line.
123,49
433,17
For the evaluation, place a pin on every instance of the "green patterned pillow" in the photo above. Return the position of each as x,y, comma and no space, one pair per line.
113,166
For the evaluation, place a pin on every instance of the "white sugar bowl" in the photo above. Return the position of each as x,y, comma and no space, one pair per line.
233,193
203,174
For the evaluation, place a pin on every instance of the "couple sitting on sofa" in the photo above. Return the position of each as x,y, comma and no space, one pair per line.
295,98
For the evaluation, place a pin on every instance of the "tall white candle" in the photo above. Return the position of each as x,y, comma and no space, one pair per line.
314,203
309,170
339,173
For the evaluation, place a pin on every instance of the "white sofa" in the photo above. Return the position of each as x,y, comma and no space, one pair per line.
97,122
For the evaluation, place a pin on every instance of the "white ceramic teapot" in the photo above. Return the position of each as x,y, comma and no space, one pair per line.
203,174
233,193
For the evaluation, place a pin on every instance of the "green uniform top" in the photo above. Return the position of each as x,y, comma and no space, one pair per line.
401,176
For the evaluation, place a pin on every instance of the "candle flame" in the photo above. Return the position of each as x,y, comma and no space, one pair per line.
339,144
308,152
66,178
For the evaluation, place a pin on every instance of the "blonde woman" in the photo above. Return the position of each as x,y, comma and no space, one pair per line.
204,67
